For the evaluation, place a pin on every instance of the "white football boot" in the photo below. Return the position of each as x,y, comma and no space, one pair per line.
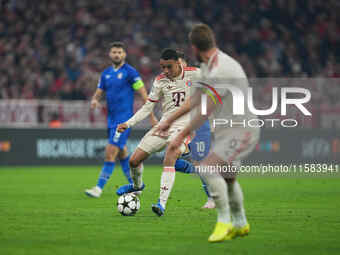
94,192
210,204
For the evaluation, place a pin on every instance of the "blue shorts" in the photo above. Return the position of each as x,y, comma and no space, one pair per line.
116,138
200,145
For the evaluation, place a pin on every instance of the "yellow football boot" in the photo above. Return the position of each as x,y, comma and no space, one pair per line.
221,232
241,231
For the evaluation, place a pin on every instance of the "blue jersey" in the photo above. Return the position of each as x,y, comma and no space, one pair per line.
204,129
200,145
119,86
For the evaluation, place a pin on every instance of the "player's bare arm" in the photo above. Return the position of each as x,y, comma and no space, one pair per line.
140,115
96,98
142,92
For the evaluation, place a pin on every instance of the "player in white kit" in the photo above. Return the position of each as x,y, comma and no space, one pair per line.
219,75
171,89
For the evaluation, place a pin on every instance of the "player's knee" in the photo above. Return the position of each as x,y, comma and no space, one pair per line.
171,156
123,154
111,153
134,162
109,156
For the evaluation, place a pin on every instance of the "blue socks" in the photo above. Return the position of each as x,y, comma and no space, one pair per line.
124,163
184,166
105,174
108,168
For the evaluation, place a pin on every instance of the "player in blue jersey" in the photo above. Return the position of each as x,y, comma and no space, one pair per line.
118,82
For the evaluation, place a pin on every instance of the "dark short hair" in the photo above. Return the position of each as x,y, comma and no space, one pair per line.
168,54
117,44
180,54
202,37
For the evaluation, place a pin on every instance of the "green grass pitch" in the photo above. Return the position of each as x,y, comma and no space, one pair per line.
43,210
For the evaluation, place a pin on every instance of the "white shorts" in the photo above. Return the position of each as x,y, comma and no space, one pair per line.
235,144
151,143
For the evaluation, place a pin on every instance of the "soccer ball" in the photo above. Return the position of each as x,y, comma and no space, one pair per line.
128,204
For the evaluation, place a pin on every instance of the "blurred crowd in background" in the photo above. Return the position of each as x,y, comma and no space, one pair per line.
56,49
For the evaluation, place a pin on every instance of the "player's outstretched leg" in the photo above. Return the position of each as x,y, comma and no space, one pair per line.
111,152
136,185
239,220
136,170
218,191
104,176
124,163
167,178
167,182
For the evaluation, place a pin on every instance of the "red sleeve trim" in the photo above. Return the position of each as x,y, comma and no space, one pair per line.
190,68
161,76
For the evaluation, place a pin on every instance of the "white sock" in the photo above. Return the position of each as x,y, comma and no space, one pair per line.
167,182
218,191
236,205
136,175
98,189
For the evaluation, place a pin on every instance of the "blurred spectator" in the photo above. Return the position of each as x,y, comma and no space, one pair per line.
54,49
66,92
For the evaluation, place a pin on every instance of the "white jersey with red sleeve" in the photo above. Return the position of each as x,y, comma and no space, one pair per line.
172,93
221,73
235,139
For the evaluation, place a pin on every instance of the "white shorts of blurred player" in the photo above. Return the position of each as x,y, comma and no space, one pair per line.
151,143
232,146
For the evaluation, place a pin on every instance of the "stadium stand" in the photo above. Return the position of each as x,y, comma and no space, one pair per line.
55,49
